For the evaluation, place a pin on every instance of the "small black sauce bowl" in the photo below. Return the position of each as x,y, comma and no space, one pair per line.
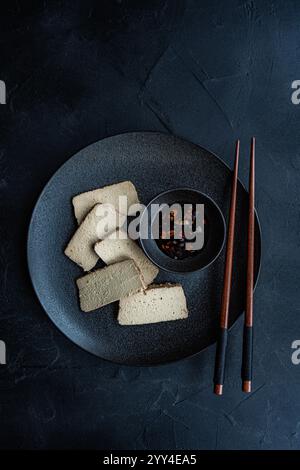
213,246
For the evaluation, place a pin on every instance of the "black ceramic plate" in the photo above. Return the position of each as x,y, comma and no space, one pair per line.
154,162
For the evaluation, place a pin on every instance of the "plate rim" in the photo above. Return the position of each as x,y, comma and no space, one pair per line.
29,235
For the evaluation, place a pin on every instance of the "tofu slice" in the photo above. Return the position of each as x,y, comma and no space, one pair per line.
108,284
84,202
100,222
158,303
114,248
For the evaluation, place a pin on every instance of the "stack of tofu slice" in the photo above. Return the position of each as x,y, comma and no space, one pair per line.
129,274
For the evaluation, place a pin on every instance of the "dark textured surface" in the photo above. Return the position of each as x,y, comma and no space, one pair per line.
208,71
139,157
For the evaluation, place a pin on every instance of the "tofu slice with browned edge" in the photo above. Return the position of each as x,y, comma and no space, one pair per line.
100,222
108,284
158,303
84,202
116,248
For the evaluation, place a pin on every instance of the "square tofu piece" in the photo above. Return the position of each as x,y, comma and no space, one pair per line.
100,222
84,202
108,284
113,249
158,303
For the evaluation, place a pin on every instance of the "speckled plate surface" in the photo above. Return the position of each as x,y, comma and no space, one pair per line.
154,162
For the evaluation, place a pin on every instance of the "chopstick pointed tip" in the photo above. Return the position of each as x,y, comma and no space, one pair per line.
247,386
218,389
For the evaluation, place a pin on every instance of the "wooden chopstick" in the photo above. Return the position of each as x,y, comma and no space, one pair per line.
248,325
222,340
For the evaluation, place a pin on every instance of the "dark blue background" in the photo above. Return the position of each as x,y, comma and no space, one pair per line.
209,71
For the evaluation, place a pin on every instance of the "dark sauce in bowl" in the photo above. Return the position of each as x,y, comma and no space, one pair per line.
179,247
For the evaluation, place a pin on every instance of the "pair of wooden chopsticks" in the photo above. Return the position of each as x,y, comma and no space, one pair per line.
248,325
